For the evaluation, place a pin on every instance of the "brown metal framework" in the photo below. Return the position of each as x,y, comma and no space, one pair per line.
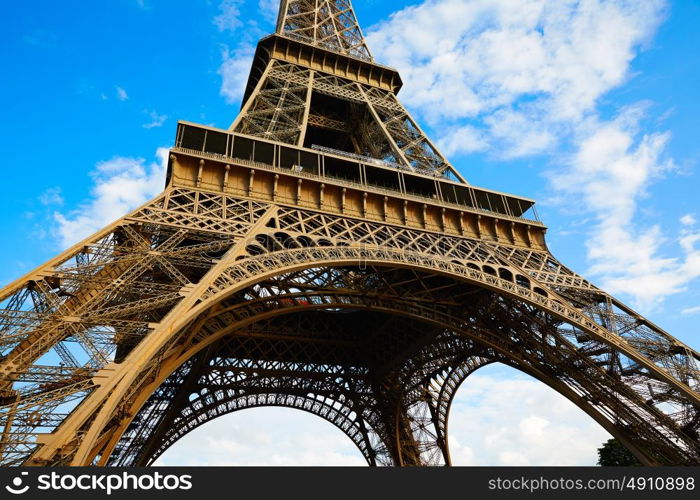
322,255
328,23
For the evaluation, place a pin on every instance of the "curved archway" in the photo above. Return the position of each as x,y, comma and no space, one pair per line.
261,437
549,324
296,298
499,416
329,372
503,417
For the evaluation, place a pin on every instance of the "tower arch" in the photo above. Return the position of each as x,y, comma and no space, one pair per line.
324,197
287,294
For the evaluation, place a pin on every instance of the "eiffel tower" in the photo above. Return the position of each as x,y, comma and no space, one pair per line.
320,254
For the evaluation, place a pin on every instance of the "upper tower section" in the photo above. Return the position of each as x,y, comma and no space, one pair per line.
330,24
321,126
314,84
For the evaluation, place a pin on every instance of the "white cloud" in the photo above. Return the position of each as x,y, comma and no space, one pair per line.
463,140
608,176
229,18
237,59
121,94
688,220
515,64
120,185
157,120
519,421
517,78
518,134
51,196
234,71
691,311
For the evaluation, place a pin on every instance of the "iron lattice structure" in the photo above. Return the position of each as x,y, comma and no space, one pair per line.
322,255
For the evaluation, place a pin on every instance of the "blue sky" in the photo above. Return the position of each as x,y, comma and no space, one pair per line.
589,106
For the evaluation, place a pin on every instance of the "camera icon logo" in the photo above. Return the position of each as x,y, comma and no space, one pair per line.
16,488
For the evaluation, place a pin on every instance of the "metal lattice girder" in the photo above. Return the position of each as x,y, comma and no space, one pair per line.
621,369
103,296
311,300
300,289
433,366
280,109
227,384
330,24
324,373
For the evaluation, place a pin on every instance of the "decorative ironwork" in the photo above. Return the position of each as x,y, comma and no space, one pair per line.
340,280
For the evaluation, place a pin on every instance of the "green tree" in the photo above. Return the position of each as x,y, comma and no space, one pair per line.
614,452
